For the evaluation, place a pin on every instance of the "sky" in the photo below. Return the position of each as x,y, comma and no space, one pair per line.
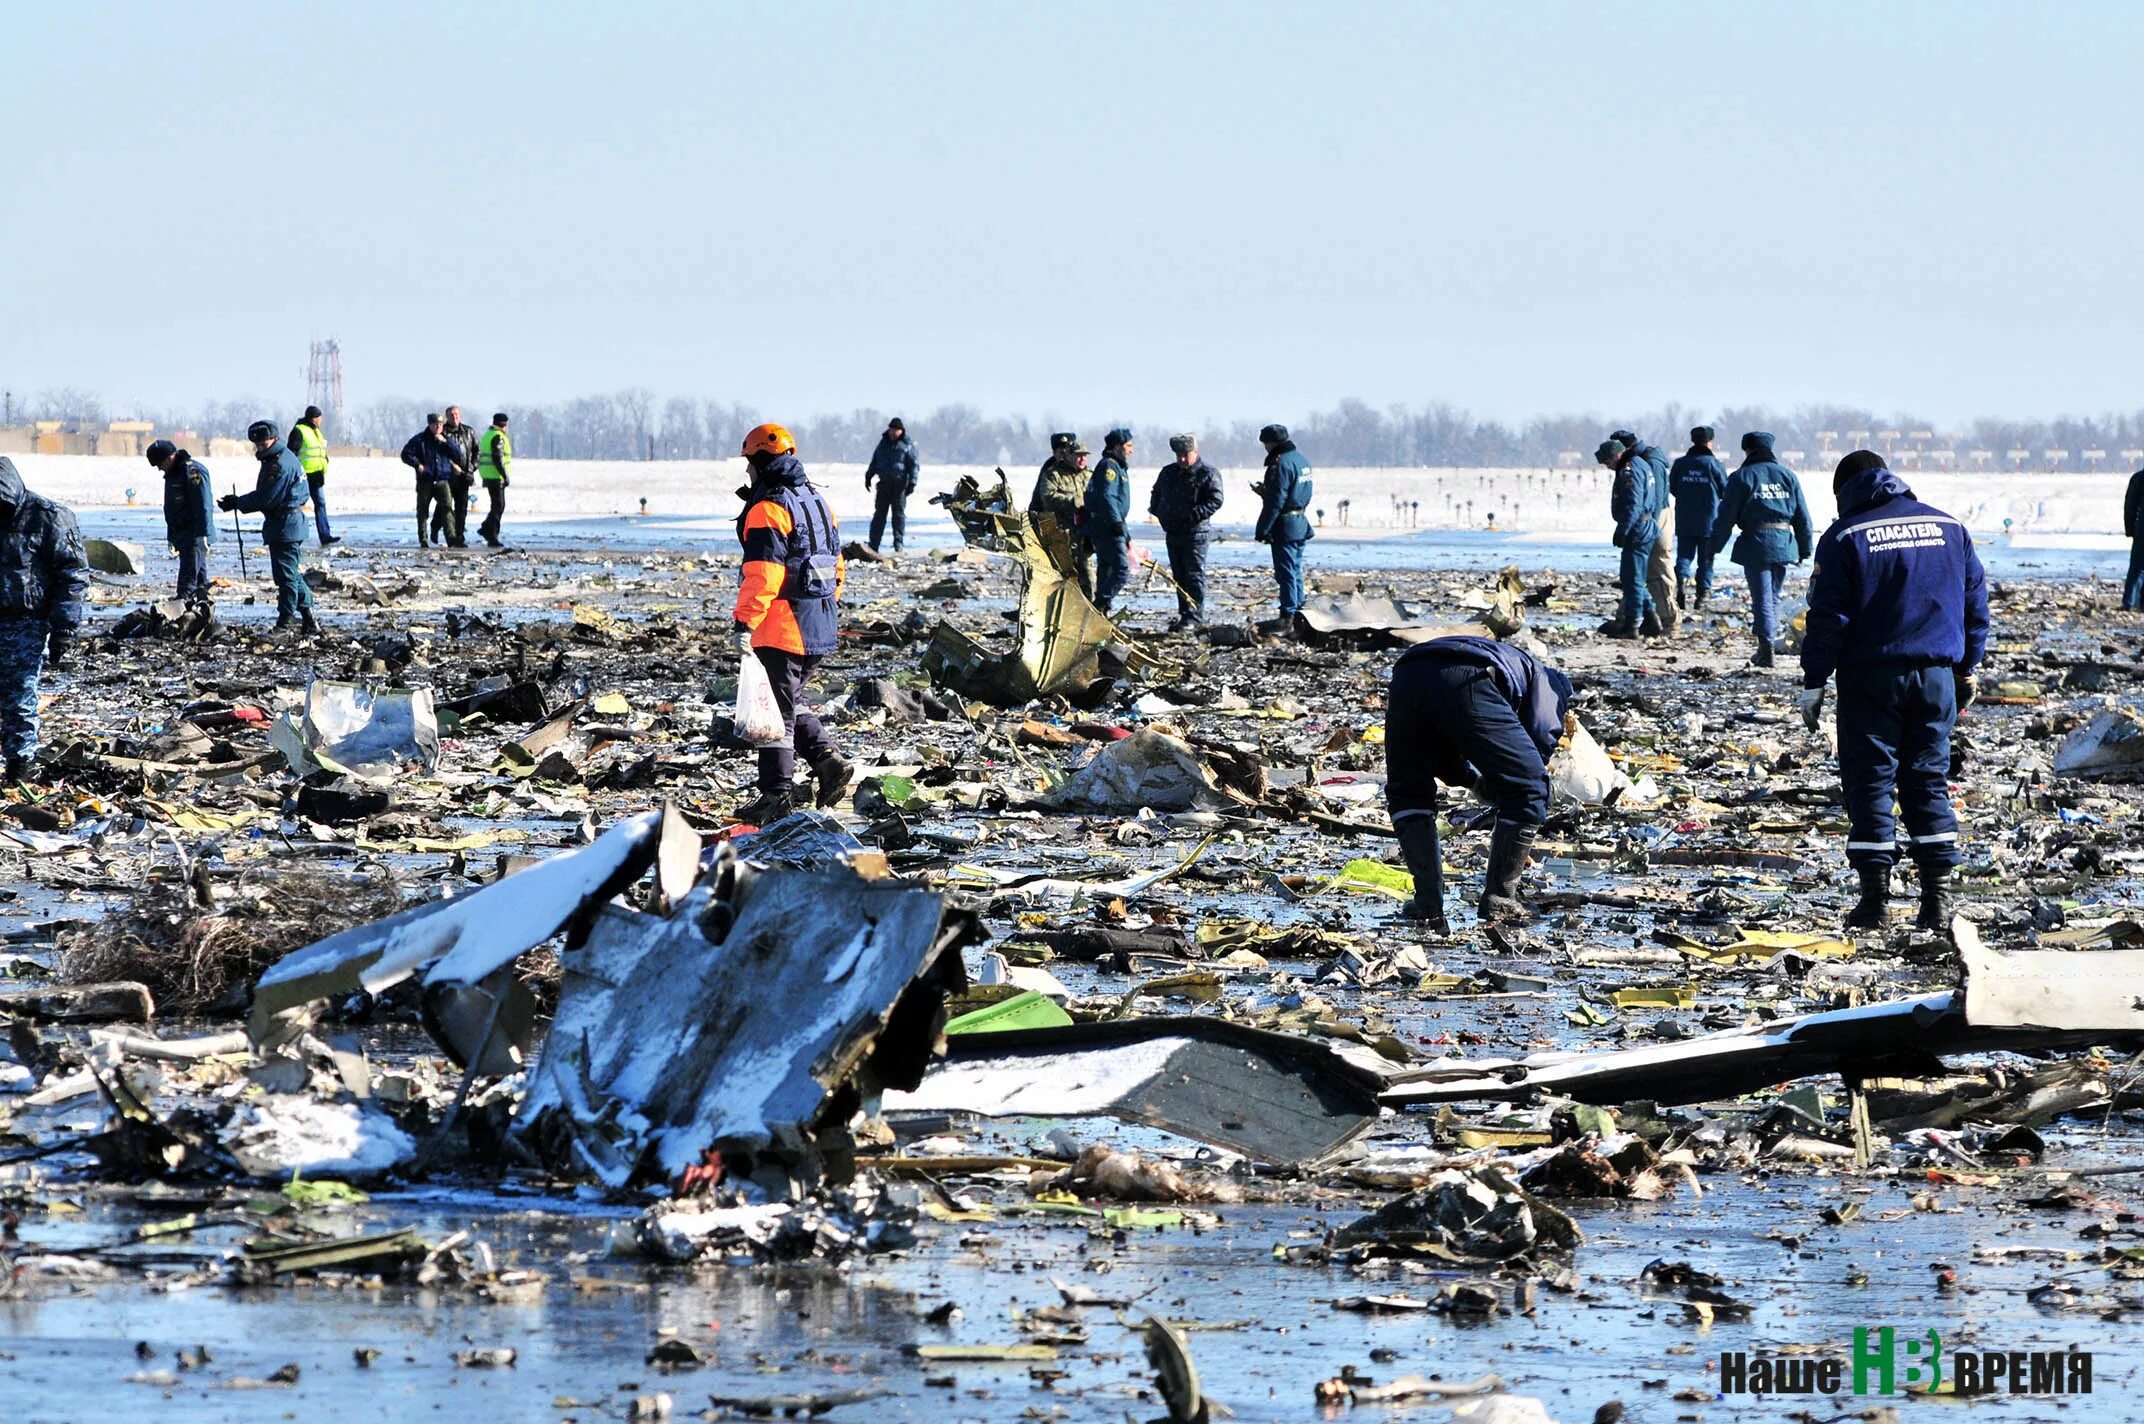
1171,212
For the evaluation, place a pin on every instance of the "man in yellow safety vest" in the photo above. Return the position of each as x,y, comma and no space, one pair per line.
311,447
495,456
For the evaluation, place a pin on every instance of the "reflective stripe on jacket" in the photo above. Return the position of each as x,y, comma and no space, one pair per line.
793,569
498,456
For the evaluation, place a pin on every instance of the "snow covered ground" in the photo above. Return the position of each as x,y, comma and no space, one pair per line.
2066,510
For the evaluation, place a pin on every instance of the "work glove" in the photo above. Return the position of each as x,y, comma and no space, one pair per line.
1967,688
227,502
742,637
868,479
1811,703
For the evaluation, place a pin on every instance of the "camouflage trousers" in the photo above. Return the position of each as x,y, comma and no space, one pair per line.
22,663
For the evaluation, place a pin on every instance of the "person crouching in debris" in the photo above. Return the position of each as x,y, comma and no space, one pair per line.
1764,500
278,497
44,577
788,614
1898,607
1471,712
189,515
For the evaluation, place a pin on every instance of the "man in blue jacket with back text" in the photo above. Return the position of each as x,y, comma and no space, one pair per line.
1697,479
1898,608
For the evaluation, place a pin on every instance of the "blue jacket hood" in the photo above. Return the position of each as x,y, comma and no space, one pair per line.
10,484
1871,487
782,470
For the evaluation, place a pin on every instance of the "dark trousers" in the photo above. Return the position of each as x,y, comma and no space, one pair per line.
1112,567
451,524
1187,566
318,485
2133,586
892,508
433,498
1449,722
1637,600
495,511
1288,574
1766,584
292,596
1894,745
193,569
778,764
1690,551
22,662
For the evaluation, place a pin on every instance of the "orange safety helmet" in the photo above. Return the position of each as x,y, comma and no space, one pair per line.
769,440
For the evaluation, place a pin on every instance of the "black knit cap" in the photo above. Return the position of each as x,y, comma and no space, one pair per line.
1701,435
1858,463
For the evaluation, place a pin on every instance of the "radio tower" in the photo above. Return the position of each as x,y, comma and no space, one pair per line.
323,382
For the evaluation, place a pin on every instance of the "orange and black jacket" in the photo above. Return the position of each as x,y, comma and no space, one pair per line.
793,569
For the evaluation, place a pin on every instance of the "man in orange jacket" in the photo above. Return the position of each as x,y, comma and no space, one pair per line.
788,614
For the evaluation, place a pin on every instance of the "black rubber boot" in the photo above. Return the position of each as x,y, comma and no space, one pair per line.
1508,846
1873,907
1935,899
833,775
1425,862
1651,626
1617,628
308,625
20,769
765,809
1682,594
1763,657
1703,593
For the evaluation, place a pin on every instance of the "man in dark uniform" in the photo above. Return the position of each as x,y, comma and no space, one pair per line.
893,467
1186,497
1659,564
44,579
189,515
1061,493
1763,500
1107,511
2133,526
278,497
1630,505
1697,479
1284,494
1471,712
1898,607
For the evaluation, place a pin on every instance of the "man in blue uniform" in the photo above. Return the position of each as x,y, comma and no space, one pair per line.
1284,493
278,497
1764,500
44,577
1697,479
189,515
893,466
2133,526
1107,512
1471,712
1186,497
1630,505
1898,608
1659,564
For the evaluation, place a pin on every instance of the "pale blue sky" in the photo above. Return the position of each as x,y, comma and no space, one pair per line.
1168,212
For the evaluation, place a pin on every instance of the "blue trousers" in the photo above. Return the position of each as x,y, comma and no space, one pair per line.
1288,574
1894,745
2133,586
778,764
22,662
1112,566
1187,565
1765,582
1449,722
193,569
317,485
1637,600
292,597
892,507
1690,551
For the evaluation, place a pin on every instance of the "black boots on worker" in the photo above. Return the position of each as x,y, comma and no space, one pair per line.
307,625
765,809
1651,626
1763,657
1935,899
1682,594
1618,628
831,775
1508,847
1874,905
1425,862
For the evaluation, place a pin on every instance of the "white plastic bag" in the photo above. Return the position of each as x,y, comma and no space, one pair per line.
758,719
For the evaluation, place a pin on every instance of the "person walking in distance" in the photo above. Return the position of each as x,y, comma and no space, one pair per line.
278,497
310,445
189,515
434,459
788,615
893,468
1697,479
495,464
1764,500
1186,497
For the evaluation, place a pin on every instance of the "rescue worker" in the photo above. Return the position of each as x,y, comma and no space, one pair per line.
788,614
1186,497
2133,526
451,526
44,577
1659,565
434,459
1696,478
189,515
1898,608
1477,713
310,445
1763,499
1284,493
1060,491
1630,505
893,466
1107,516
278,497
495,463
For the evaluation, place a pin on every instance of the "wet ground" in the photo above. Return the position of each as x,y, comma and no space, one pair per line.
1965,1254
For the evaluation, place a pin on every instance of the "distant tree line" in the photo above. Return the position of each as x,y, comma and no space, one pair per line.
632,425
